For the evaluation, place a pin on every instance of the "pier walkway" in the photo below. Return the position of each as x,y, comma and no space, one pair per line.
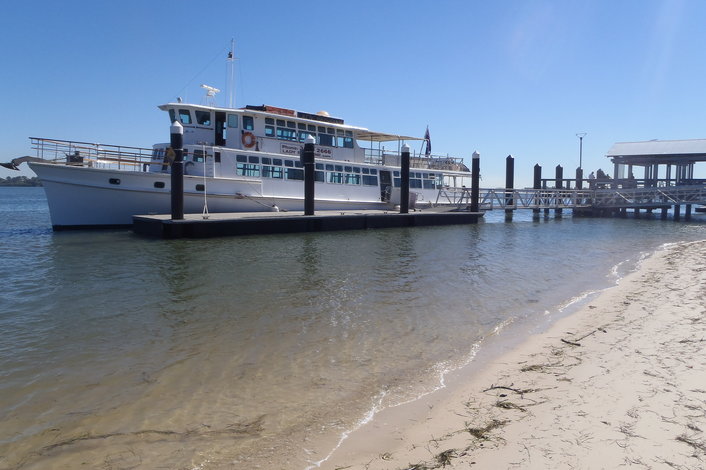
588,199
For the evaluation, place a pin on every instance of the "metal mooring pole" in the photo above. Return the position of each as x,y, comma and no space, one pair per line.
404,190
308,163
475,181
176,141
537,183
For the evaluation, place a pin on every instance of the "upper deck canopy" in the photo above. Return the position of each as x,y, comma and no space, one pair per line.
364,134
360,133
658,152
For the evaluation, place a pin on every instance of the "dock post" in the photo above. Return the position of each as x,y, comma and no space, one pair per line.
677,209
307,158
475,181
537,185
559,185
404,174
663,215
509,185
176,141
687,212
579,178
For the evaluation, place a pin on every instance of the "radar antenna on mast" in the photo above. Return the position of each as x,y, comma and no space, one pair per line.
210,94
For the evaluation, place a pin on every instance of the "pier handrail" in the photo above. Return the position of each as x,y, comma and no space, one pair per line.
558,198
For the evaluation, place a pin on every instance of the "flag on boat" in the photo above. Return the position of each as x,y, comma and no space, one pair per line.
427,139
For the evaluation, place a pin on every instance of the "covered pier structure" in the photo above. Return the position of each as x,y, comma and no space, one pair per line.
663,163
664,166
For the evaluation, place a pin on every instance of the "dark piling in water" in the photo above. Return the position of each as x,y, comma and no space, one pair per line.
176,152
404,189
307,158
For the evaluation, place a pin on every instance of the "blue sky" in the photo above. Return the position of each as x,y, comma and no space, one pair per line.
504,77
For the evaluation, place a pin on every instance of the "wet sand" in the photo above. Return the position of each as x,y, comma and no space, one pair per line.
622,382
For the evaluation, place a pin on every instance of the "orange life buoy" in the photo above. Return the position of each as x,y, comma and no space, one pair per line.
248,139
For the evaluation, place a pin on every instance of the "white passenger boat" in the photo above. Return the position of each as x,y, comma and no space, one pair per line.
239,160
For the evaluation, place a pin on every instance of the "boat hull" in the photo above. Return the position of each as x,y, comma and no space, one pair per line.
83,197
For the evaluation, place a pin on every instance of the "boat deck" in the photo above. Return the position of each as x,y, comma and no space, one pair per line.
260,223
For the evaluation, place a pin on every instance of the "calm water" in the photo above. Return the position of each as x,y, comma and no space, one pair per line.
121,352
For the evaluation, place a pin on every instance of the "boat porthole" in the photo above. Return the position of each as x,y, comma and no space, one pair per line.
114,181
199,187
159,184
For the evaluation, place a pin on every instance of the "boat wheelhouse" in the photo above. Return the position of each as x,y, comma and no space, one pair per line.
240,160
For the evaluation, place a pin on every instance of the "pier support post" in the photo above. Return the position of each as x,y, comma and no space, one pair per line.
687,212
663,215
559,185
509,185
176,141
307,158
404,189
475,182
537,185
677,210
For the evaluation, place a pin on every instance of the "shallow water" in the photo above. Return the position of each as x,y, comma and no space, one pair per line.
135,353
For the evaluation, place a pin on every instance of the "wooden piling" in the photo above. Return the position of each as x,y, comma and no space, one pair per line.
559,185
537,184
509,184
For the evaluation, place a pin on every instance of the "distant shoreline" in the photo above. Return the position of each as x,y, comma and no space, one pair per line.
19,181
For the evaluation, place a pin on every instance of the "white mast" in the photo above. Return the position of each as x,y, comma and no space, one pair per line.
231,74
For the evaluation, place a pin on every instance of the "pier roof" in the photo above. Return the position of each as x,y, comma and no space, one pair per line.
658,151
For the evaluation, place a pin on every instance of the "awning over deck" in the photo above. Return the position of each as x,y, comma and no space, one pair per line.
364,134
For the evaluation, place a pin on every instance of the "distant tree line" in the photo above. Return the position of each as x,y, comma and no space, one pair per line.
20,181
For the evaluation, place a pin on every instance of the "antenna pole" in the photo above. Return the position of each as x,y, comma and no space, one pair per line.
231,74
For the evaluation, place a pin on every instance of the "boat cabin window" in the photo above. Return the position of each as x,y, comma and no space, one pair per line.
247,169
232,120
345,142
335,177
272,171
185,116
370,180
198,155
326,140
172,116
203,118
286,134
248,123
352,179
295,174
241,158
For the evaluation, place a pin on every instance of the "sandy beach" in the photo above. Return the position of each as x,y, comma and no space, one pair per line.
622,382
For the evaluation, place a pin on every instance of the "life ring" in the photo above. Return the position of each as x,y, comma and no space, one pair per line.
248,140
